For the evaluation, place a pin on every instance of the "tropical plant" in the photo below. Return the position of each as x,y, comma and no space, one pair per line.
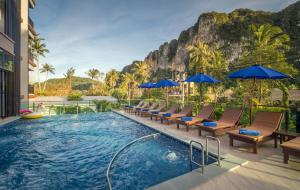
128,83
47,68
94,74
75,96
38,48
268,45
141,70
69,76
111,78
200,57
119,94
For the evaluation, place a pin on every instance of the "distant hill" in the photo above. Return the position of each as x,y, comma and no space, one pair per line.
58,86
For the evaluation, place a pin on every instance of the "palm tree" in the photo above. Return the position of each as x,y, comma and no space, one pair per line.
93,74
142,70
38,48
69,76
47,68
268,46
200,56
111,78
128,83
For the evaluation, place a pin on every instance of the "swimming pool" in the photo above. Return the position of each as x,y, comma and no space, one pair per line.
73,152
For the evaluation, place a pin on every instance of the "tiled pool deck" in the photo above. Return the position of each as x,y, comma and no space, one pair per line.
240,168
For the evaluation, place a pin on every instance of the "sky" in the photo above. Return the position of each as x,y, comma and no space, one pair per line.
109,34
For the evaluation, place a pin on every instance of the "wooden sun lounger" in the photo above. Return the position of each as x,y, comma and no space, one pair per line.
132,109
143,112
145,105
186,111
127,108
265,122
158,109
173,110
205,114
291,147
228,121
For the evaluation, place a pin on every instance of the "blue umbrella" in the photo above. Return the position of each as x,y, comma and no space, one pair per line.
202,78
147,85
165,84
257,72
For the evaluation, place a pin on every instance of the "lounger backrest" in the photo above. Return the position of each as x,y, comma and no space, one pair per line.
267,120
146,104
173,109
161,106
231,116
153,105
206,112
187,110
140,104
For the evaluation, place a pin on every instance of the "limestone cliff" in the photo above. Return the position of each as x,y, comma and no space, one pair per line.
228,32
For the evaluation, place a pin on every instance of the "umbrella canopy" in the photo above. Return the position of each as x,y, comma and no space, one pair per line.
147,85
202,78
166,83
258,72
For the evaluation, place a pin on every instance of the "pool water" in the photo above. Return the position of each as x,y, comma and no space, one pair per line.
73,152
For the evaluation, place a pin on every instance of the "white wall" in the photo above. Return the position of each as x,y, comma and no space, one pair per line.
24,54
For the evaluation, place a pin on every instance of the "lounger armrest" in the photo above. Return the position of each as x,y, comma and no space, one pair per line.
208,120
241,126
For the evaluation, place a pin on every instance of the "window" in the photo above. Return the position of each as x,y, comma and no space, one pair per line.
6,61
2,16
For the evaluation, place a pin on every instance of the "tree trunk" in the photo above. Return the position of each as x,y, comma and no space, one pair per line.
45,82
38,70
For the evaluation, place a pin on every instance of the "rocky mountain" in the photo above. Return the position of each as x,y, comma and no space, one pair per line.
228,32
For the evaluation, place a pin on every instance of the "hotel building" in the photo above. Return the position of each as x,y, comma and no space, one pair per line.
16,60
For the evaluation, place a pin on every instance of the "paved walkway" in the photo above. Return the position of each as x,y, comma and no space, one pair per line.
264,170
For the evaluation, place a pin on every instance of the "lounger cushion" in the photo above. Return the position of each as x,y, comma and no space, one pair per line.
186,119
249,132
210,124
155,112
167,114
145,109
263,134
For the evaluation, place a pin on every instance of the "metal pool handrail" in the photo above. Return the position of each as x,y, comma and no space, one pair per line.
123,148
219,148
202,156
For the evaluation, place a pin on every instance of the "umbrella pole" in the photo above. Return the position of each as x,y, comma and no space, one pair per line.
167,96
201,93
251,102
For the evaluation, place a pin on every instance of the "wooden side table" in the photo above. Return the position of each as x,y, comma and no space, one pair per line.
284,136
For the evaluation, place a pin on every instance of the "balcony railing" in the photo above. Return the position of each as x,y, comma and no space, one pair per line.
30,22
31,26
31,4
31,59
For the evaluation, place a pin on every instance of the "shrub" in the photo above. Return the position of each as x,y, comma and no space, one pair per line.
67,109
75,96
72,109
119,94
86,110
